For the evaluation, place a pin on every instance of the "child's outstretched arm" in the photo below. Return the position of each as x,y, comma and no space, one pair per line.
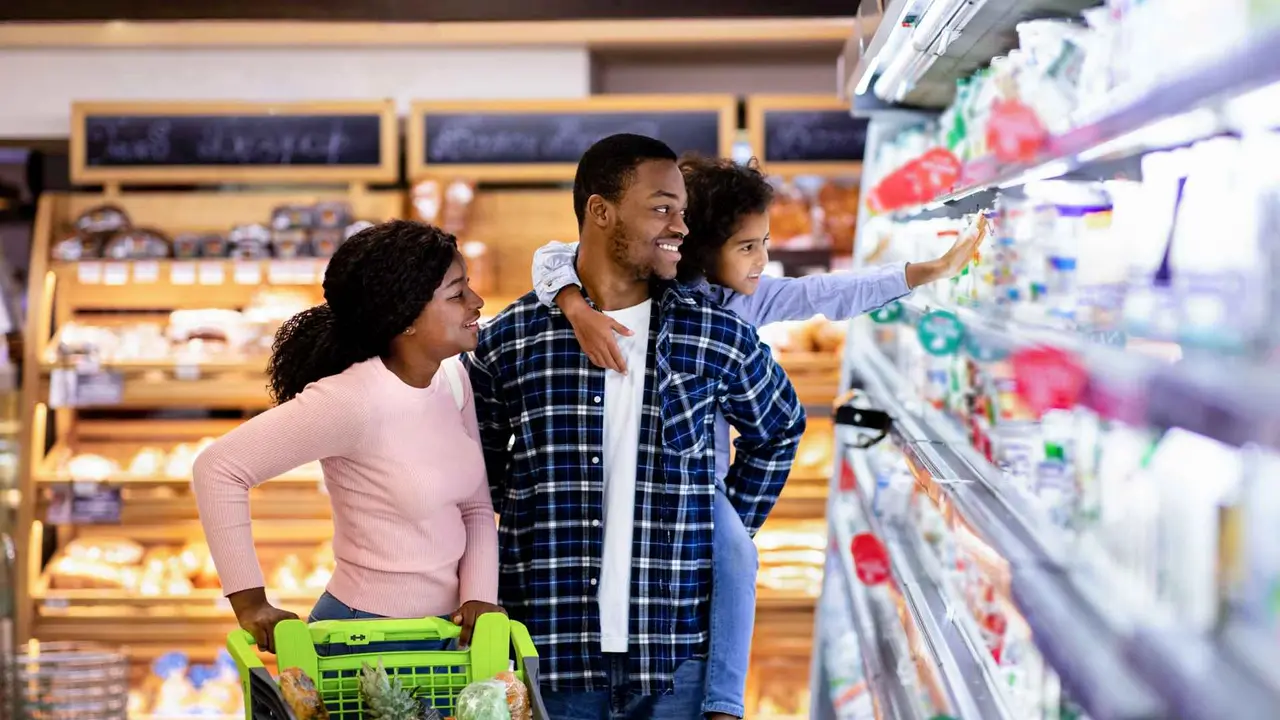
555,281
840,296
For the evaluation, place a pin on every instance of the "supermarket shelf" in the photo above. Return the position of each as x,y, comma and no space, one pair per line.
1201,678
1086,646
1231,401
140,482
1082,619
969,685
249,366
934,451
1248,67
880,660
988,33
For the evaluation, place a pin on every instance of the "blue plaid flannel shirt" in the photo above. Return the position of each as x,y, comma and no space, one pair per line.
540,407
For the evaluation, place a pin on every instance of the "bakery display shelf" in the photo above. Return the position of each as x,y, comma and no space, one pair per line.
768,600
122,607
1208,85
801,499
141,482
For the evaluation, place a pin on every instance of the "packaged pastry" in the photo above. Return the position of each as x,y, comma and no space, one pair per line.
325,241
89,467
300,694
250,242
291,243
214,246
517,696
77,247
137,244
457,206
102,220
187,246
115,551
427,198
69,573
331,215
288,574
147,462
289,217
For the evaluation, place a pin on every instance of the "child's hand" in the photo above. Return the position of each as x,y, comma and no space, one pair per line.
594,331
964,250
951,263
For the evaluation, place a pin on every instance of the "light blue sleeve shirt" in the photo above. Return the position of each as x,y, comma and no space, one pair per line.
837,296
553,270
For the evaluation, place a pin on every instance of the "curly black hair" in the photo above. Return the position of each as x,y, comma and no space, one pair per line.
608,167
376,285
721,193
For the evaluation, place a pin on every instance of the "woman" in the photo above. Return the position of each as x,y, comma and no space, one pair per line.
365,383
724,257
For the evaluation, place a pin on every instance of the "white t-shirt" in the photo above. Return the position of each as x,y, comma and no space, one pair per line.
623,404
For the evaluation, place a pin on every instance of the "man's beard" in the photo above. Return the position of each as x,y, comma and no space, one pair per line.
620,250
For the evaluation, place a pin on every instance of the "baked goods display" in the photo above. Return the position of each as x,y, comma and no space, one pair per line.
816,452
150,462
167,571
191,336
792,554
448,206
106,232
813,213
176,688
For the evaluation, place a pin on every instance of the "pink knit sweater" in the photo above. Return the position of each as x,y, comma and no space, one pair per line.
414,532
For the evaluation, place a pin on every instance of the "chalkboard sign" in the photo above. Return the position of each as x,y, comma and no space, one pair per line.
799,136
204,140
167,142
559,137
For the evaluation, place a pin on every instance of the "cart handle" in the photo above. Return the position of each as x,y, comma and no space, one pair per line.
240,644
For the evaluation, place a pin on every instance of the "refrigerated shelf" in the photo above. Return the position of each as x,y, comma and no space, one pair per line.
1098,635
1126,131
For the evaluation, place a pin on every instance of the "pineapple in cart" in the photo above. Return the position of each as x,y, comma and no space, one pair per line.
385,698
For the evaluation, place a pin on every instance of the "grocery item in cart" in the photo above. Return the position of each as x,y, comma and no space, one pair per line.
485,700
300,693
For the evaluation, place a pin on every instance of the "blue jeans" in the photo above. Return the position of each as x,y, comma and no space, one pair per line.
329,607
734,565
620,703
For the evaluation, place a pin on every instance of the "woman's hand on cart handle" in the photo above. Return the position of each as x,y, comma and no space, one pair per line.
466,617
258,616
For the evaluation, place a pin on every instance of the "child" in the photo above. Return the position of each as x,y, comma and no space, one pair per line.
724,257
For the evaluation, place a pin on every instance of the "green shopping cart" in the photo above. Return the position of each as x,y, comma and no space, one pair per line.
438,676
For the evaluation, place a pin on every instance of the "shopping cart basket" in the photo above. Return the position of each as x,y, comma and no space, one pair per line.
438,676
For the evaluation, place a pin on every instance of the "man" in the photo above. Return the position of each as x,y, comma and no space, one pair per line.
604,481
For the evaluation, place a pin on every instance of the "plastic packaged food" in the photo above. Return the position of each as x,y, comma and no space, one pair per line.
517,696
290,217
250,242
137,244
484,700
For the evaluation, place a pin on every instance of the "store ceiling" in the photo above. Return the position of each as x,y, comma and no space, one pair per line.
410,10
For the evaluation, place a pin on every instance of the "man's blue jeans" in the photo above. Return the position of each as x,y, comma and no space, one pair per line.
620,703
